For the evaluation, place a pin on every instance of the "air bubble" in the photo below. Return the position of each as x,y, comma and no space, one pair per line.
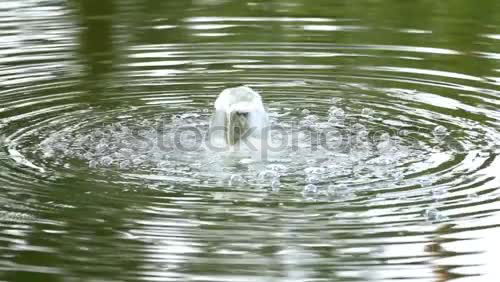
472,196
48,153
385,137
336,114
367,112
439,193
484,154
106,161
88,156
313,179
267,176
314,170
434,215
440,131
275,185
235,180
312,118
246,161
309,121
384,146
404,132
101,147
425,182
278,168
357,127
124,164
335,100
164,164
338,191
310,190
322,193
362,136
398,176
138,161
92,164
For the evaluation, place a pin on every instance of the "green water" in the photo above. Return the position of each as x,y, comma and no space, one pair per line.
82,200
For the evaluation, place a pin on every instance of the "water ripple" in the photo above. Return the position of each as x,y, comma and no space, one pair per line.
387,164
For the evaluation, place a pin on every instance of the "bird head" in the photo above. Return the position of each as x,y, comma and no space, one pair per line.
241,110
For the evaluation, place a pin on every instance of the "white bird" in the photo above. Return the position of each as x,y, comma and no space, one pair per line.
240,114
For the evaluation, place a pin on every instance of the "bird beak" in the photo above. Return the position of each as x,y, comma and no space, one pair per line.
235,126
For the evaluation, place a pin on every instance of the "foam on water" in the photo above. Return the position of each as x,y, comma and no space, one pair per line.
304,149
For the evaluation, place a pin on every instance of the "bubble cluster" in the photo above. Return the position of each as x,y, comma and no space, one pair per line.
440,131
335,155
336,115
118,145
367,112
310,191
434,215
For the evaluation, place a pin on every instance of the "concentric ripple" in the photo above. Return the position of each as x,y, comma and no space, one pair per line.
383,160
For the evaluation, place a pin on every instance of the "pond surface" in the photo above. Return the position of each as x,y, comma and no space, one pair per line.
386,115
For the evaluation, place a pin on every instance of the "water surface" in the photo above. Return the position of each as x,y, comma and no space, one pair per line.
404,94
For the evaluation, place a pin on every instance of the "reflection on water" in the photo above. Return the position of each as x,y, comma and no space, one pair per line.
387,116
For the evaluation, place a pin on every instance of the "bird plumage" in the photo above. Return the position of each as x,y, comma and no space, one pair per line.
240,113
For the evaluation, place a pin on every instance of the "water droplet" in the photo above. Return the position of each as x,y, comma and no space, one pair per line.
305,111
